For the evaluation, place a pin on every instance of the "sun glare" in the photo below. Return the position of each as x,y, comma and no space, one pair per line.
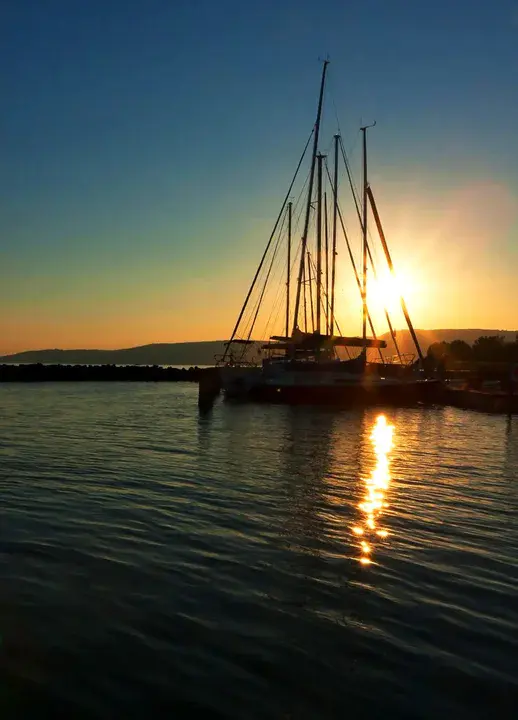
385,290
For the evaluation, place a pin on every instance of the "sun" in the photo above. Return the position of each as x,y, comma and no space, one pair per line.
386,289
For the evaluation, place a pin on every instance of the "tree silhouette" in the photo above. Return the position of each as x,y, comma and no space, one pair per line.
485,349
489,348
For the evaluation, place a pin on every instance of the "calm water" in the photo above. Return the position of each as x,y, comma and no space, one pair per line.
255,562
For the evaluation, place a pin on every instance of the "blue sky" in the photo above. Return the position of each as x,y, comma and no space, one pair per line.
146,147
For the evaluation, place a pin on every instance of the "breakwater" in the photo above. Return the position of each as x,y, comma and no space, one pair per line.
110,373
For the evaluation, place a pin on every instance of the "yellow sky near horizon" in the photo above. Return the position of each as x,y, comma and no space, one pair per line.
456,253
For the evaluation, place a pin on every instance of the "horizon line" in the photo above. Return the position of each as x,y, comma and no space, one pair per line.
199,342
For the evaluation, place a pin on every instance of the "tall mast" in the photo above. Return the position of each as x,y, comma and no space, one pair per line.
305,298
319,242
290,205
310,193
335,210
364,227
357,206
326,235
311,293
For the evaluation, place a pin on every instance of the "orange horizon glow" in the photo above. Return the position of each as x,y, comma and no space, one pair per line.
454,256
81,338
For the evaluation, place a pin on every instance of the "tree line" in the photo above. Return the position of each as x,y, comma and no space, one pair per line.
485,349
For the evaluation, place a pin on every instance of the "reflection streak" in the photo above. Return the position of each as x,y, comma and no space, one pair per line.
377,484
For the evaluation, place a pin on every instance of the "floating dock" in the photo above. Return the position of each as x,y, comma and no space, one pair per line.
490,401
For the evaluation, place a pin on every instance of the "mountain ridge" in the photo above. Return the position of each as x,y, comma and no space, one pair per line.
203,352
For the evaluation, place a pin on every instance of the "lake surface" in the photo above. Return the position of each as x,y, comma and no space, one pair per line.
255,561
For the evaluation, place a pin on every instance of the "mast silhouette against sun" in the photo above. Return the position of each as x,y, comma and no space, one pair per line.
364,244
310,193
335,212
320,157
290,207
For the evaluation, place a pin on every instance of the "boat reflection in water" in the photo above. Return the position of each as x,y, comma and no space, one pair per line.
368,530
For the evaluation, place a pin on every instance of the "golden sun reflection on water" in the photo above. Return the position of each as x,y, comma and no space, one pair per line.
374,501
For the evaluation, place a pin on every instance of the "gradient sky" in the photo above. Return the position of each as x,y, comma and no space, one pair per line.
146,147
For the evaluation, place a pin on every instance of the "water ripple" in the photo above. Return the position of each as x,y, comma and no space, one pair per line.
158,562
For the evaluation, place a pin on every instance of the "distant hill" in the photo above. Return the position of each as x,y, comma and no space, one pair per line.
202,353
192,353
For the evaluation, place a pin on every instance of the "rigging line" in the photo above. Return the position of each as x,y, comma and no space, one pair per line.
354,193
325,295
276,304
351,257
326,237
298,201
354,189
266,281
248,317
246,323
298,206
334,318
251,318
296,225
334,195
268,332
347,164
385,309
310,279
245,347
327,149
227,345
373,265
311,292
305,294
323,305
271,324
354,146
301,192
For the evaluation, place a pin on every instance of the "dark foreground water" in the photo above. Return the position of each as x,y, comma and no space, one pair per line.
255,562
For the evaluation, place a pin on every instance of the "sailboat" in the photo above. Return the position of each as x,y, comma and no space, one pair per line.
306,363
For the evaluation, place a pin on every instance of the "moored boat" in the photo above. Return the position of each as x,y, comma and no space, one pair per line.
311,361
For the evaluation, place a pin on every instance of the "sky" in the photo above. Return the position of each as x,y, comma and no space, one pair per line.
146,149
